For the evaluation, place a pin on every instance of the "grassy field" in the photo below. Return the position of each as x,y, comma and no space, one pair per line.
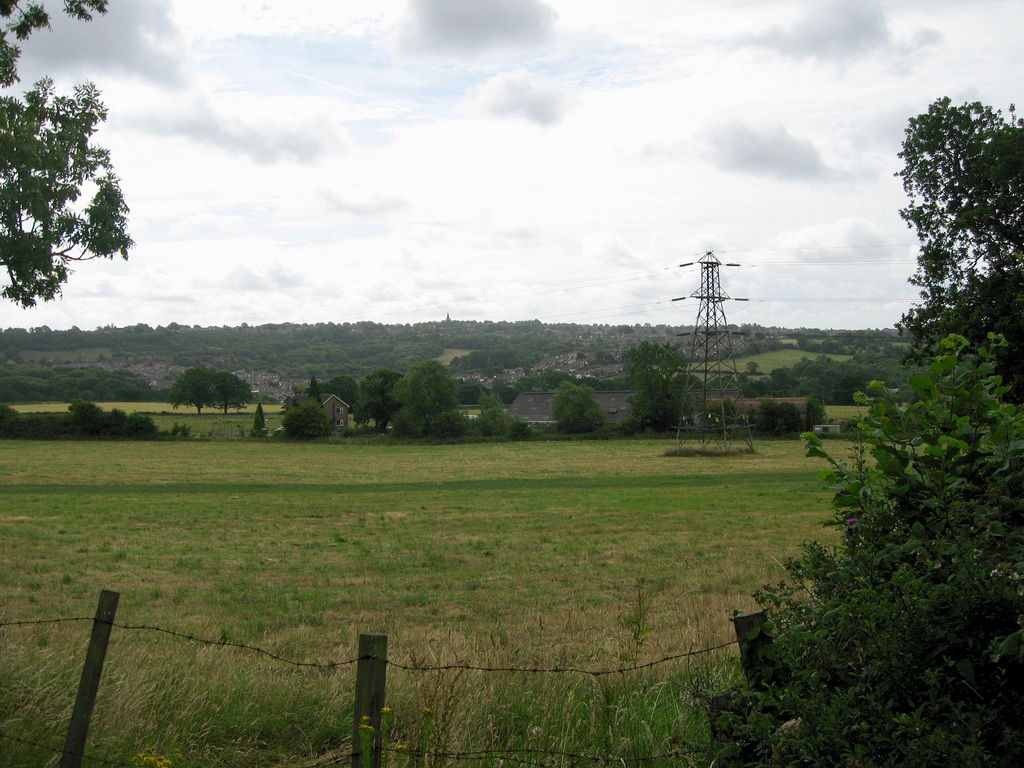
780,358
589,554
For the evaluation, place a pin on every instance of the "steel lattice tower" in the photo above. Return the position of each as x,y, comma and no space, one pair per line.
709,411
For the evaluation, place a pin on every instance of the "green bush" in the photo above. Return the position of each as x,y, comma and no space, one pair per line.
902,644
773,419
306,422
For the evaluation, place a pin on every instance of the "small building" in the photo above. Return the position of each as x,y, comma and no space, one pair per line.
336,409
535,407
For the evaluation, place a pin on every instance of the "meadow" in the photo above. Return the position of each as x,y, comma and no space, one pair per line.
593,555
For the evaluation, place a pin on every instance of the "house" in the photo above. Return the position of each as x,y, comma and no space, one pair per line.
535,407
336,409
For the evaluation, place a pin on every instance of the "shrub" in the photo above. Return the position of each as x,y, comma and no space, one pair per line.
448,424
520,430
904,643
306,422
773,419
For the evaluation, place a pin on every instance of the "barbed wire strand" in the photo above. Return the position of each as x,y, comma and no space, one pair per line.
406,667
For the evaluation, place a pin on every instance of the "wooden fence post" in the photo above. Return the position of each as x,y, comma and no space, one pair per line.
371,675
745,624
74,745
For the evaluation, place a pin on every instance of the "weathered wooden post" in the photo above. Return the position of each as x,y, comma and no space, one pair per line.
74,745
745,624
371,676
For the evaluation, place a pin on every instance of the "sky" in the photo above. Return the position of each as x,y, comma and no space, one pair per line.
400,161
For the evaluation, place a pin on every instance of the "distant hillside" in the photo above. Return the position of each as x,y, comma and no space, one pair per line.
288,354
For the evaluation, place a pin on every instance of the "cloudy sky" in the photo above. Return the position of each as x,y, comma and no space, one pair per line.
399,160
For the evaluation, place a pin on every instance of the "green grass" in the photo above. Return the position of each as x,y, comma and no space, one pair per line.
780,358
211,423
522,554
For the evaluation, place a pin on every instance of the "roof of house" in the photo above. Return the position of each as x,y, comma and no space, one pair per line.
535,407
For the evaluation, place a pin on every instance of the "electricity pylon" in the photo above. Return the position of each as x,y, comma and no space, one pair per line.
709,410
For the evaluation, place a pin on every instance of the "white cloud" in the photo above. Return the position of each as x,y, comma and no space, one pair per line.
839,31
233,125
136,38
764,150
519,94
472,27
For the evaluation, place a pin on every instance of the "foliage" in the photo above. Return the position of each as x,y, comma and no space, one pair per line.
377,400
82,420
658,374
313,390
60,384
259,421
427,392
575,409
345,387
229,391
773,419
494,419
904,644
45,163
307,421
816,413
195,387
964,173
449,424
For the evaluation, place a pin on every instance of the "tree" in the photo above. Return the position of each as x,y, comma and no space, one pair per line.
964,173
314,390
426,392
773,418
658,374
306,421
259,421
494,419
229,391
575,408
195,386
46,161
377,401
903,643
345,387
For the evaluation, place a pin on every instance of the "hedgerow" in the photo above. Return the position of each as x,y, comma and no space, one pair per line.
902,644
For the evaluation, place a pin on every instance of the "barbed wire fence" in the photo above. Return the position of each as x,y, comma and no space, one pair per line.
371,667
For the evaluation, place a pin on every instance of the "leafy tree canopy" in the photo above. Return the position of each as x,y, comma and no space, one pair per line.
229,391
195,387
658,374
377,400
575,408
964,173
427,391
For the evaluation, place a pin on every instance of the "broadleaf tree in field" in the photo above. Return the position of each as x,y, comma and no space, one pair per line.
230,391
427,392
195,387
964,173
377,400
658,374
47,163
576,409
